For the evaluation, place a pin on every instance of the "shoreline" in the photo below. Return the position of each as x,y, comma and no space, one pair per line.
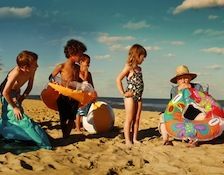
149,104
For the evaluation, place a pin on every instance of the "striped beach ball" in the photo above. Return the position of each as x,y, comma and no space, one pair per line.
100,118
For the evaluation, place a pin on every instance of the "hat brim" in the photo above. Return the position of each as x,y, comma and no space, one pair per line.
174,79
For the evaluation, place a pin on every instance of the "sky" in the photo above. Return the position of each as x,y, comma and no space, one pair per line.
174,32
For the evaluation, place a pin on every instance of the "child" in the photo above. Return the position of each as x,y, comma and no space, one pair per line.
15,124
69,71
85,76
133,93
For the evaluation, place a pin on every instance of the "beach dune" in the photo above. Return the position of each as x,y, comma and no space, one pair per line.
106,153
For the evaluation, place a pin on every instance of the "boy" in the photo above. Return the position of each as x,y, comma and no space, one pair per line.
15,124
69,71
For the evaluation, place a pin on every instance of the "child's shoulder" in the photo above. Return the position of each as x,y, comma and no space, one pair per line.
138,69
60,65
15,73
127,66
16,70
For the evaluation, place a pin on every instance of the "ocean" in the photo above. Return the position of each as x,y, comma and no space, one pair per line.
149,104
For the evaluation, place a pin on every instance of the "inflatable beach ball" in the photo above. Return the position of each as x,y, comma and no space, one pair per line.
100,118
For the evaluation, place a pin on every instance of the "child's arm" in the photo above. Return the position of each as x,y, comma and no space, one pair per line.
56,70
28,88
12,77
76,72
119,79
84,75
89,79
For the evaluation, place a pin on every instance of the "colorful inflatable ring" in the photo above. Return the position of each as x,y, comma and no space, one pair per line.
100,118
193,115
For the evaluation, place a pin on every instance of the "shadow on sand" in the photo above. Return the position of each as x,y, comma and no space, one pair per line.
17,147
49,125
150,133
81,137
216,141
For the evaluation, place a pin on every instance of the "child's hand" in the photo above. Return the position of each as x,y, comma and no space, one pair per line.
128,94
55,82
17,113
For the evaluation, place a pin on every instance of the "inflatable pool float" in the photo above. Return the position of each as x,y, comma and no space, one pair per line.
194,115
83,97
50,94
100,118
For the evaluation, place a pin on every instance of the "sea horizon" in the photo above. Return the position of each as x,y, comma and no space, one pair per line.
149,104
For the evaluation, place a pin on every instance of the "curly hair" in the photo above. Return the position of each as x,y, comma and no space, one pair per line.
73,47
134,53
25,58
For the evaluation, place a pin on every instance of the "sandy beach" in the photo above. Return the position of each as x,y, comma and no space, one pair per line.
106,154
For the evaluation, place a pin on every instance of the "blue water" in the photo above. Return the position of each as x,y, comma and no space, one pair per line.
149,104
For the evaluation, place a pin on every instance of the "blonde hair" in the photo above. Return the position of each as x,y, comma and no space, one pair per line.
134,54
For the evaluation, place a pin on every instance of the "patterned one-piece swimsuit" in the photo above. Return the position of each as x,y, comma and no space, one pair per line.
136,85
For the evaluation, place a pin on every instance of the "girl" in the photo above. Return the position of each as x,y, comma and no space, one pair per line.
133,93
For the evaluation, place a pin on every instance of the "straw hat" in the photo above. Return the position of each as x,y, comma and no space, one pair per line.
182,70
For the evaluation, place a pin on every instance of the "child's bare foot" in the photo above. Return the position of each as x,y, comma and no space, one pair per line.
128,144
193,144
79,130
168,143
136,142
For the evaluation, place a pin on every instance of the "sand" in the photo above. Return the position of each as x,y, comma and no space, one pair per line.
83,153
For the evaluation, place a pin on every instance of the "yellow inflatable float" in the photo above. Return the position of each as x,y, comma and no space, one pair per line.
100,118
49,97
50,94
